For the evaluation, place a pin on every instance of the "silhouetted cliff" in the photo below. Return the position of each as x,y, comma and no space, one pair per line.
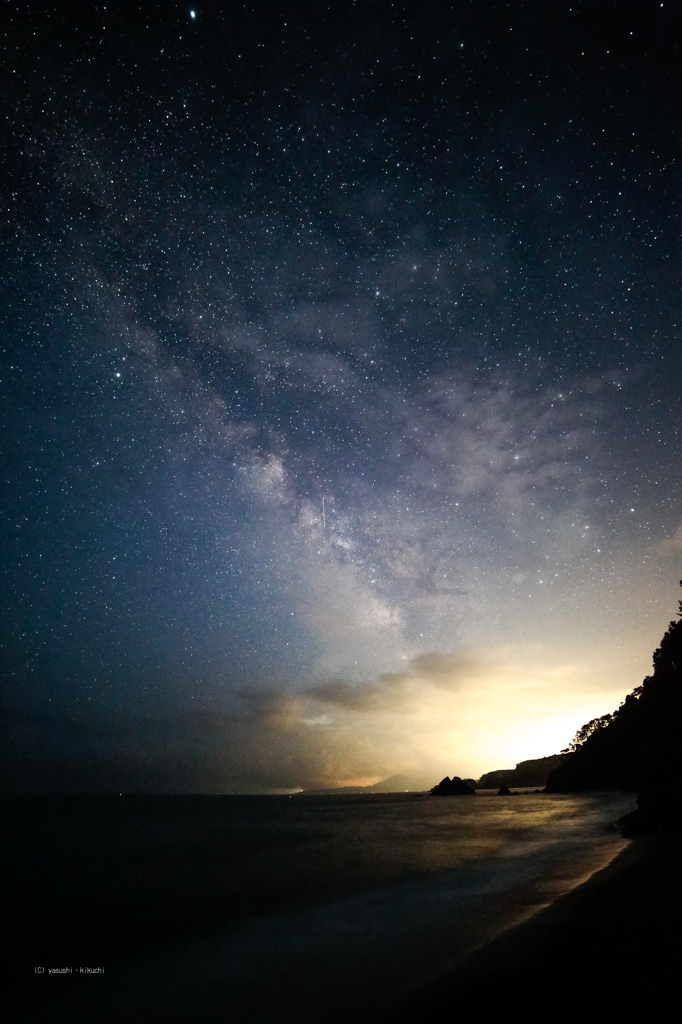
526,773
638,746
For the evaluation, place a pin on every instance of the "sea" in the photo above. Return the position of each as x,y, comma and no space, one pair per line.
277,909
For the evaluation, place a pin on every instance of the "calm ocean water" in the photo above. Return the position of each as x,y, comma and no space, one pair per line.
279,909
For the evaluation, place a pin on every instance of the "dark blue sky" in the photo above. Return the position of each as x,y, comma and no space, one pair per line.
341,375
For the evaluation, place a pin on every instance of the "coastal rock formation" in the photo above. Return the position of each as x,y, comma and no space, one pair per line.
526,773
452,787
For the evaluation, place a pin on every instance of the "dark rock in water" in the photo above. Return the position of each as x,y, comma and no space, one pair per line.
504,791
652,816
635,824
452,787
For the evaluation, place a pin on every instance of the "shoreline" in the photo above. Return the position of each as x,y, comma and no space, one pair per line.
413,960
609,944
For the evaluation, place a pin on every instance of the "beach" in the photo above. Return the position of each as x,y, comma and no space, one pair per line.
326,908
610,945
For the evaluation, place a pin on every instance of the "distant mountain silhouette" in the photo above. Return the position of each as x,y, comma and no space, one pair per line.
526,773
637,747
392,784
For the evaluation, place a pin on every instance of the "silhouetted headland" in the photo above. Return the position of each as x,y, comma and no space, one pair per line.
527,773
637,747
627,913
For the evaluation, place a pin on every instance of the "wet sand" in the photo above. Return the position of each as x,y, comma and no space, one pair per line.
610,945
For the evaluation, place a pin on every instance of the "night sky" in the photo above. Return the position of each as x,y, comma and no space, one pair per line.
341,371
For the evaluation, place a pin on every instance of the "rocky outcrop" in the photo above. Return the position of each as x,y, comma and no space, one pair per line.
526,773
452,787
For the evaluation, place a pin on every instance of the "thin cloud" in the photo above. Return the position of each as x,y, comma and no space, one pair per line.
672,545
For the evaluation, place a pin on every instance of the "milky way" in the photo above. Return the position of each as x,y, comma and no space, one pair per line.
341,385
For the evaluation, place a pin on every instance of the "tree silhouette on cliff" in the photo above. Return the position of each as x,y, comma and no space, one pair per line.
638,746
